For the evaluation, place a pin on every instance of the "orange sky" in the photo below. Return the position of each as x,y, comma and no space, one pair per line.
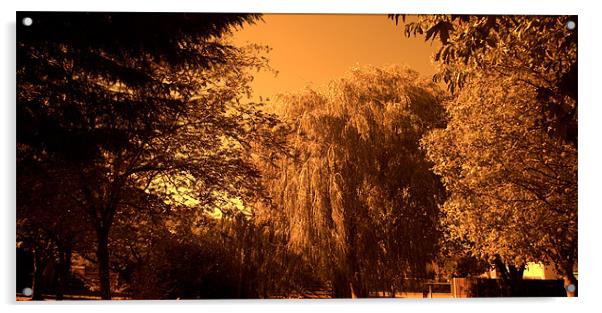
312,49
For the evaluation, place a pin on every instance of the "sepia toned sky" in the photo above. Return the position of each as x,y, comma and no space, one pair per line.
312,49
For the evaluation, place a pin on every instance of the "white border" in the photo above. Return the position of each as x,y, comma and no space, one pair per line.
589,151
322,6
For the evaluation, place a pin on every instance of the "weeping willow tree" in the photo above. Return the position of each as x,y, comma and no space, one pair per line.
357,196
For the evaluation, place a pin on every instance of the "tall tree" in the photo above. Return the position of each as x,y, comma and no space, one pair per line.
526,65
513,188
153,102
358,191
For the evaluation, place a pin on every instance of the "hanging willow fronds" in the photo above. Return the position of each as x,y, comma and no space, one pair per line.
354,196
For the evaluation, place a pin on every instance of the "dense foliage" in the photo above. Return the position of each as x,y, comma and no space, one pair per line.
141,156
159,109
540,51
513,188
508,156
357,193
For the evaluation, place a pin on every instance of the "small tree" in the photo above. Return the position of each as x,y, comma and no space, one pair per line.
49,220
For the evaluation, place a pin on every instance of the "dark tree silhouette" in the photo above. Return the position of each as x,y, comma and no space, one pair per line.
49,220
138,101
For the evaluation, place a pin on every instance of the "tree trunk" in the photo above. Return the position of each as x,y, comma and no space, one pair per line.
102,255
516,280
64,269
358,290
341,285
38,273
570,279
60,283
68,255
356,283
511,278
241,292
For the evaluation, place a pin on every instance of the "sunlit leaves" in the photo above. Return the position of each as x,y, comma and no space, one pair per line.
359,195
538,50
512,185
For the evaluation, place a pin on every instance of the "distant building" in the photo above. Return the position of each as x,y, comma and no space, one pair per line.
540,271
534,271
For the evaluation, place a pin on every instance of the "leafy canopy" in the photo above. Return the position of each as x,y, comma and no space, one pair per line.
357,194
